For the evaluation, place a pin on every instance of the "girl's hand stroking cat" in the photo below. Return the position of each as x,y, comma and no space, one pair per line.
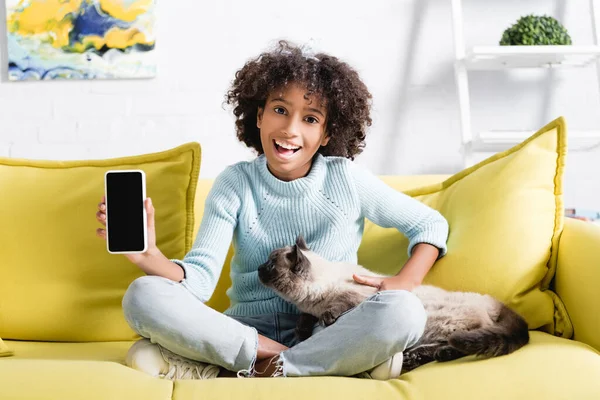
392,283
410,276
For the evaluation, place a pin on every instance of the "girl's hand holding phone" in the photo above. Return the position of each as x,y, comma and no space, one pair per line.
152,249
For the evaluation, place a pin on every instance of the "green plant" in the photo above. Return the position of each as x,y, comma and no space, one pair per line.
535,30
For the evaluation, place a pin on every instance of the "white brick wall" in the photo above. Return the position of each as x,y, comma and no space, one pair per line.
14,129
58,131
22,106
40,151
90,105
402,49
4,150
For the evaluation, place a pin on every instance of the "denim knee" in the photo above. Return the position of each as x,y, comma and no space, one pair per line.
142,299
401,318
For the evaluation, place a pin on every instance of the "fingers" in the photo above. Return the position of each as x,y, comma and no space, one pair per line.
359,278
101,214
367,280
101,217
150,213
101,233
102,204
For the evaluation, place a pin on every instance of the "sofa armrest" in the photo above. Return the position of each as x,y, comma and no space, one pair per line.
577,280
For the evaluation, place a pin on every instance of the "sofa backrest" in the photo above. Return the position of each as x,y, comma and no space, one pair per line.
58,282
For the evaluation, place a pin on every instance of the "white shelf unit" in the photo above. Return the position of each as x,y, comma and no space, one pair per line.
511,57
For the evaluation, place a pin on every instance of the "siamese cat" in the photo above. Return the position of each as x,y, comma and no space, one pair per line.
458,323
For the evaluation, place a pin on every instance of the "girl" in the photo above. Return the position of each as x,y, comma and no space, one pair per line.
305,115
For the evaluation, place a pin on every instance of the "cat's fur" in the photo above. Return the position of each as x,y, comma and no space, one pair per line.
458,323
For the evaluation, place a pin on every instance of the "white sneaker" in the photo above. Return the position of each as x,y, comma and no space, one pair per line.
389,369
157,361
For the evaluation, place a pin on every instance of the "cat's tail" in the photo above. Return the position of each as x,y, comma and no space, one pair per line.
509,333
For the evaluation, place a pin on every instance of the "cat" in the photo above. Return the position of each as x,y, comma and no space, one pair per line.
458,323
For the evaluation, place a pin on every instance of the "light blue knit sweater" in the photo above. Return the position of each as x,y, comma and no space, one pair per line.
260,213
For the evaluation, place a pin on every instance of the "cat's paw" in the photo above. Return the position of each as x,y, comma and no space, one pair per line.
305,325
303,334
328,318
447,353
410,364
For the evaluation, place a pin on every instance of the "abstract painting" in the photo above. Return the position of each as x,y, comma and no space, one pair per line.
80,39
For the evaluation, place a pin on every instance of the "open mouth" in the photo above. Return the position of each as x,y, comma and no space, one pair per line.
282,151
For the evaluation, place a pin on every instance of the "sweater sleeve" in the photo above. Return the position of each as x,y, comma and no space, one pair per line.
389,208
204,262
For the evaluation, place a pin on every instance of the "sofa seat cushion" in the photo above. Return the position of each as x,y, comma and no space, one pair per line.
5,351
547,368
525,374
54,370
96,370
78,379
90,351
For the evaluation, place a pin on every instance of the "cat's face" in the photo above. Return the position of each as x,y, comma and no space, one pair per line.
287,271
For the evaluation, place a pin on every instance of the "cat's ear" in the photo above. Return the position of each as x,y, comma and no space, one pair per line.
295,254
297,259
301,243
302,263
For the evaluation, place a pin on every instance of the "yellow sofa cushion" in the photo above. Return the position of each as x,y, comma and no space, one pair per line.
114,351
57,280
5,351
578,278
505,216
521,375
67,370
30,379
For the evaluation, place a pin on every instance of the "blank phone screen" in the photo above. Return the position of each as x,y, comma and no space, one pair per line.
124,211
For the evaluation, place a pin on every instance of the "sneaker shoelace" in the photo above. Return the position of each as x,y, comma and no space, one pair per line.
249,373
184,368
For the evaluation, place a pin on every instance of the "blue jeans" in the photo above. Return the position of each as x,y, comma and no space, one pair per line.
168,314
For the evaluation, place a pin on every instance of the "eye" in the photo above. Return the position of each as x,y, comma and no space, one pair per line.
312,120
279,110
296,268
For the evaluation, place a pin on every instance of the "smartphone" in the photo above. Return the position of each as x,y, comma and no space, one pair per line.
126,227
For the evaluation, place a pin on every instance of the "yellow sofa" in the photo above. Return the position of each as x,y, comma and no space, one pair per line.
548,368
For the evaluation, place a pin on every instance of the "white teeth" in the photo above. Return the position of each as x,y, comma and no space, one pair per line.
287,146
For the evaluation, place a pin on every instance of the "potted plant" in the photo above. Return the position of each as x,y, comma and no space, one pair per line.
532,30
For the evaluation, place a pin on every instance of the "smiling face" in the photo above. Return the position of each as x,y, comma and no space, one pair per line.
292,128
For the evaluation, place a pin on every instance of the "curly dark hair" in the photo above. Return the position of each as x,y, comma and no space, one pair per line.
337,85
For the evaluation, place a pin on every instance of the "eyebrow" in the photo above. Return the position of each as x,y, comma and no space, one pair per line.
289,104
